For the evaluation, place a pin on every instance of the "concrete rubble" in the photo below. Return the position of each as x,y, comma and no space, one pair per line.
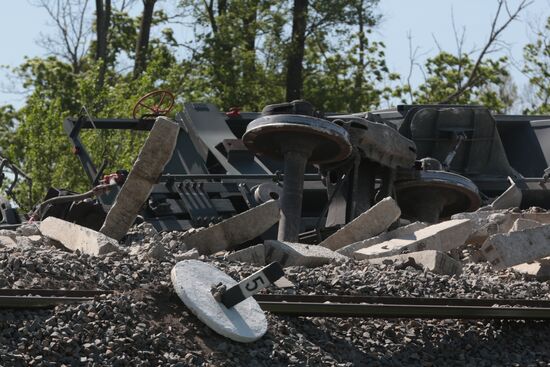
254,255
78,238
489,222
539,269
400,232
298,254
443,236
371,223
235,230
503,250
435,261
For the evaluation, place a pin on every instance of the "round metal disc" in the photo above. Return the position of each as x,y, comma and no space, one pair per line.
193,280
461,193
267,135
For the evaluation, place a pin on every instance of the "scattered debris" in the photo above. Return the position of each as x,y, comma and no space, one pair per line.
522,223
540,269
441,237
235,230
298,254
192,254
254,255
371,223
75,237
435,261
400,232
508,249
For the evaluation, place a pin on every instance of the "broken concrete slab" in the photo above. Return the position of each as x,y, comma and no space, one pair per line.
540,269
443,236
503,250
8,233
371,223
6,241
28,229
192,254
254,255
407,230
521,223
432,260
75,237
299,254
489,222
154,155
235,230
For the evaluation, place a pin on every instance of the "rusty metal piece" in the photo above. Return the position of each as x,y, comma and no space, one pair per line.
298,139
430,195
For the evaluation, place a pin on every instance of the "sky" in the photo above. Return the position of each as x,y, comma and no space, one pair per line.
424,20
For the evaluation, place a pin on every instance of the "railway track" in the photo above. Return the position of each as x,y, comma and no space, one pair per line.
44,298
327,306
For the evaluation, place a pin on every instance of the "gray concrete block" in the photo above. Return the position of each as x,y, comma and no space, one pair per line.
154,155
254,255
298,254
192,254
407,230
489,222
443,236
75,237
521,223
539,269
371,223
508,249
434,261
235,230
6,241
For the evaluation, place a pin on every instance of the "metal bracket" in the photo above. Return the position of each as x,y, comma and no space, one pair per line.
199,206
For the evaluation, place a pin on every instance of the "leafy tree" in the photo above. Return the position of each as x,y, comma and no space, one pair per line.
447,73
537,68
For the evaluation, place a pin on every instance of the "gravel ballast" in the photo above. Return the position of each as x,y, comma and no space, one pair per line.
143,323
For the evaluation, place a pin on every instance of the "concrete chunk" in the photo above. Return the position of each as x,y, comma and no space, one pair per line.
299,254
6,241
407,230
235,230
521,223
434,261
371,223
75,237
508,249
155,153
489,222
254,255
539,269
443,236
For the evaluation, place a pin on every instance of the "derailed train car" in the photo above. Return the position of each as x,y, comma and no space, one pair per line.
436,160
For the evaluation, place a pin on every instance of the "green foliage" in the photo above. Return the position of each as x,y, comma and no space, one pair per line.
446,73
537,68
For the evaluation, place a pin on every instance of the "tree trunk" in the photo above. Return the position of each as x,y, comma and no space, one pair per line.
143,37
103,15
357,101
294,78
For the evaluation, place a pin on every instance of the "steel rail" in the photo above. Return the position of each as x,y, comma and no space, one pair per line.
44,298
384,300
404,311
404,307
